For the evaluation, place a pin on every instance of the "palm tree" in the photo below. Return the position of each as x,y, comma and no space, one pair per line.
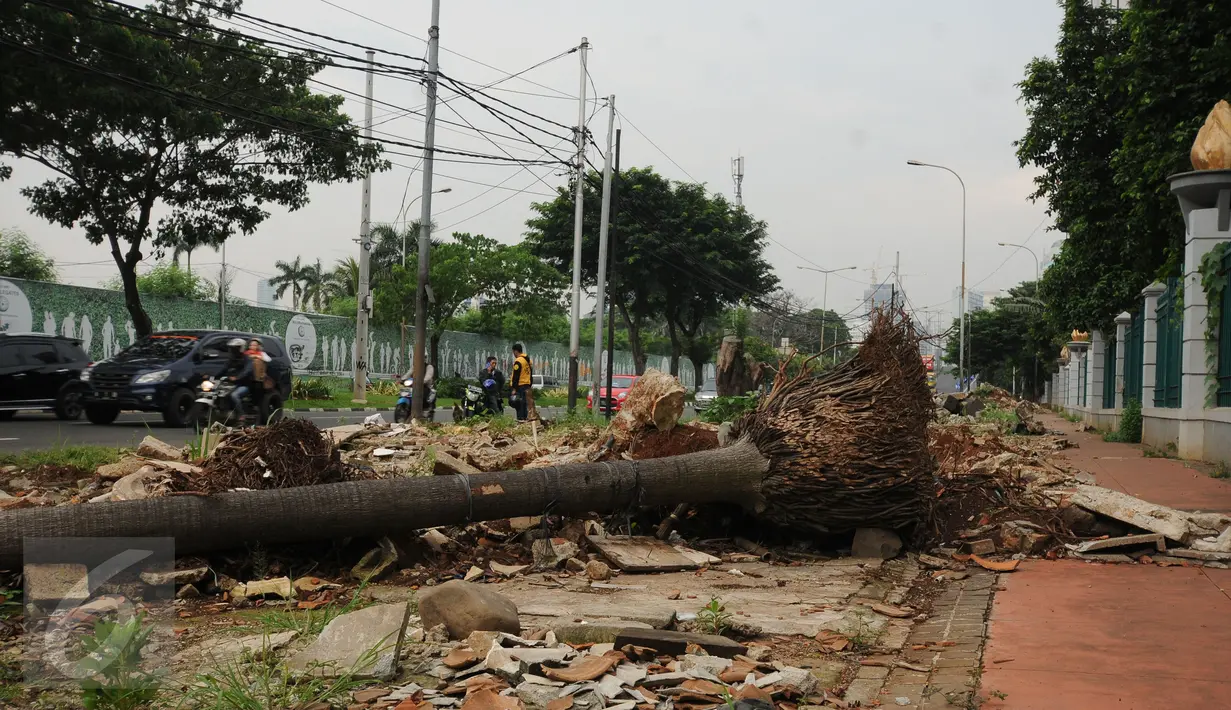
290,277
344,279
315,285
185,249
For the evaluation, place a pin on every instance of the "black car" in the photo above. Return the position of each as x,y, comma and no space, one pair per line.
160,373
41,372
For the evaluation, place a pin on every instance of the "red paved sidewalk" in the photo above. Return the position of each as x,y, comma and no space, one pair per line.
1123,467
1073,635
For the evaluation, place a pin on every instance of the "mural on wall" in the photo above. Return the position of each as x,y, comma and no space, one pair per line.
317,344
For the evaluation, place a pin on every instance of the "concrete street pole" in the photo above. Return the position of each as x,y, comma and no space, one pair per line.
413,200
603,227
574,337
825,302
364,297
1037,276
419,392
961,306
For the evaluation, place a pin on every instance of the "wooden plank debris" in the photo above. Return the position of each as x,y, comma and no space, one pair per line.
1155,539
1167,522
641,554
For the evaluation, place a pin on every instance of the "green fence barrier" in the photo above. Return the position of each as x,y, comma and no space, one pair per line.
319,344
1170,319
1109,375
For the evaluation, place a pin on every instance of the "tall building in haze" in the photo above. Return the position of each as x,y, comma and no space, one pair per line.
265,294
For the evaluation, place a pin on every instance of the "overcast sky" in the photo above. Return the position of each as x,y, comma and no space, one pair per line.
826,101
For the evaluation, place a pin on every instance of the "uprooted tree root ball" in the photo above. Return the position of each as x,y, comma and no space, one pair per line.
292,452
849,448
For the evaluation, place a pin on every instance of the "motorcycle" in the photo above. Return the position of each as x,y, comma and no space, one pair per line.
476,401
214,404
401,411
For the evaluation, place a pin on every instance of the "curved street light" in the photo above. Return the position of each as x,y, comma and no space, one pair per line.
825,301
417,197
961,343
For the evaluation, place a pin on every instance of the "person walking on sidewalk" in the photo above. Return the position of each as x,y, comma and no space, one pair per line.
521,377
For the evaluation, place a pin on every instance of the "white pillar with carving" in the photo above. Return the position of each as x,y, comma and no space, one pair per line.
1149,329
1077,361
1122,322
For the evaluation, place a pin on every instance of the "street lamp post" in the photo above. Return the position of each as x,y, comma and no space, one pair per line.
1036,293
961,343
825,301
408,206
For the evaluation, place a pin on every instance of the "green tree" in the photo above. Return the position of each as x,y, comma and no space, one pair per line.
169,280
138,113
290,277
316,285
682,255
1074,102
21,259
1012,338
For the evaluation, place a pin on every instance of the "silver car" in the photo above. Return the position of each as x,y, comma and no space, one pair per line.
706,395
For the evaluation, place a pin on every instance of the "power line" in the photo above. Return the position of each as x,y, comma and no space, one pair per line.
446,49
660,150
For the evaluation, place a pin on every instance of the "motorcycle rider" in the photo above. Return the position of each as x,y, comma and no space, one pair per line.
239,370
520,381
491,373
429,379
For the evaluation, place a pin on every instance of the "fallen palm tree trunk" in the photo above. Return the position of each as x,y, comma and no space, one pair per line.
825,453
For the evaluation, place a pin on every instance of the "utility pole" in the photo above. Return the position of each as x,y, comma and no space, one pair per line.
737,174
603,229
222,290
615,196
574,339
360,390
418,391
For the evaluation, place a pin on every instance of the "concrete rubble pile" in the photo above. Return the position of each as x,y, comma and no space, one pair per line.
1003,498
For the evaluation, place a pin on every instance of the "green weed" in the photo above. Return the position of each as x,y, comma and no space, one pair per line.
728,409
1004,419
309,622
113,659
713,618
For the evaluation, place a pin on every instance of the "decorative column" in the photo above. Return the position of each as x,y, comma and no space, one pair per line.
1077,361
1047,392
1149,329
1094,368
1122,322
1205,200
1061,382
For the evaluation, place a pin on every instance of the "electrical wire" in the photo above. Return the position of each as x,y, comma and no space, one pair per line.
442,47
660,150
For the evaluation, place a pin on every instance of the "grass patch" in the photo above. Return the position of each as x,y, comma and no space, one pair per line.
1168,452
308,622
343,401
1220,469
578,419
263,683
77,456
1006,420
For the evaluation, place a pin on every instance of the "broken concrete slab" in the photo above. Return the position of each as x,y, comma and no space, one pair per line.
352,641
1200,555
176,577
229,650
1168,522
56,583
152,447
1155,539
446,464
120,469
641,554
676,643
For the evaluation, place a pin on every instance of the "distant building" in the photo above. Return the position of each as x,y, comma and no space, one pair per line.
474,304
974,301
265,294
878,296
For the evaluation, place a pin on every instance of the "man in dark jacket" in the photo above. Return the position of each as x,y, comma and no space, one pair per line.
492,393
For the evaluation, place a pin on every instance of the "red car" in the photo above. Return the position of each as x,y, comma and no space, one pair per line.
620,384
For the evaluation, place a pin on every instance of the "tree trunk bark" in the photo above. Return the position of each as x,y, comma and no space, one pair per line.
435,342
733,377
634,339
697,379
128,278
376,508
677,348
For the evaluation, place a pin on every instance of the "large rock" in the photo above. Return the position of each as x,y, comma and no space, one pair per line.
464,608
353,642
876,543
155,448
952,404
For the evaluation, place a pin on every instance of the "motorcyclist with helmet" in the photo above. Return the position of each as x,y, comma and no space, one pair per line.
239,369
491,379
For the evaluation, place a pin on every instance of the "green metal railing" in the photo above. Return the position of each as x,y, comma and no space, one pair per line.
1134,356
1224,339
1109,375
1081,382
1170,320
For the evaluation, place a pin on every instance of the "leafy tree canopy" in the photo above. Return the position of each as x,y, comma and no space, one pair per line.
143,111
169,280
21,259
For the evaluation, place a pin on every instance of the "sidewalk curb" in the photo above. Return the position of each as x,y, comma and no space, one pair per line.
342,409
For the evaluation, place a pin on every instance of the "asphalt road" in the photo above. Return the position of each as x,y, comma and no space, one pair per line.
35,430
